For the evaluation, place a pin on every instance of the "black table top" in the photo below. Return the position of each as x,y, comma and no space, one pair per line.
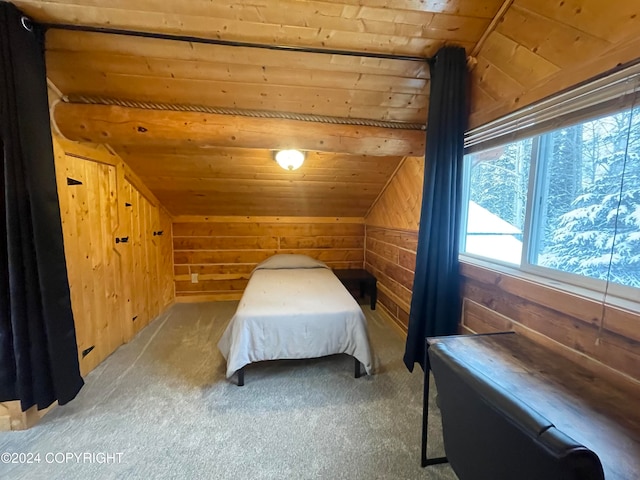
353,274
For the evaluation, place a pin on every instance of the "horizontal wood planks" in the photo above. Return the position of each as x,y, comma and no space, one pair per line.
539,48
492,301
390,255
566,323
392,239
224,252
404,27
232,77
240,181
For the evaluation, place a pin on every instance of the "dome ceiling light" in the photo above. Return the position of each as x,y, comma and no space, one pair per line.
290,159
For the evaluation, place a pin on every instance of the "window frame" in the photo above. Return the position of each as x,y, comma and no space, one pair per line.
481,139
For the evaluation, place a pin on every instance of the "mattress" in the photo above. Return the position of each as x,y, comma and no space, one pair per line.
294,313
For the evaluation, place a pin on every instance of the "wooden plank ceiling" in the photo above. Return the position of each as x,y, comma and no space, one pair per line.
541,47
206,163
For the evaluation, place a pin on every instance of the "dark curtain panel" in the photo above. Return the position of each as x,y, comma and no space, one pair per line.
38,351
435,306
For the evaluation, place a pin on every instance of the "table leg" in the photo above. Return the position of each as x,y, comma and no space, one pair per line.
374,294
425,414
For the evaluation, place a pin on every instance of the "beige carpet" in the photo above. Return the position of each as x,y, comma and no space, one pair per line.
161,408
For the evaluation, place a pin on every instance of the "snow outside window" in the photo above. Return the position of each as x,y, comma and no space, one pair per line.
564,204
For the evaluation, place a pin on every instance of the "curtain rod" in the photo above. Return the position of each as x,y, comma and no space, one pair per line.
231,43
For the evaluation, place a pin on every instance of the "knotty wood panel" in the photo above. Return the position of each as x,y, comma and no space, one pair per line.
407,27
390,257
566,323
239,181
110,282
243,181
224,252
399,205
540,48
239,60
175,72
165,260
90,222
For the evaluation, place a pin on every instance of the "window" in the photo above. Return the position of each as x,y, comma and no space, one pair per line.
497,197
563,203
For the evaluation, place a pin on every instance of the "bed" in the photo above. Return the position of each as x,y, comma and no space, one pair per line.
294,307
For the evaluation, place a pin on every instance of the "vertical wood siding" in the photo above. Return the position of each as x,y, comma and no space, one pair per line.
116,288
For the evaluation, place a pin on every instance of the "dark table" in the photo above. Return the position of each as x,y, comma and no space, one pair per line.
367,283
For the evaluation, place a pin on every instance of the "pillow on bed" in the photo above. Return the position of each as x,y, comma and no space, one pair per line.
288,261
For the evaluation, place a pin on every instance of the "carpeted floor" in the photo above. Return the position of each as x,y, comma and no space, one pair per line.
161,407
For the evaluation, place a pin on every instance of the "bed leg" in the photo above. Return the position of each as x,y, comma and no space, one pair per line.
358,374
241,377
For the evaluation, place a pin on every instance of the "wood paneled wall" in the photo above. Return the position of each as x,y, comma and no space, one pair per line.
539,48
568,324
117,288
564,322
392,239
222,251
391,257
399,204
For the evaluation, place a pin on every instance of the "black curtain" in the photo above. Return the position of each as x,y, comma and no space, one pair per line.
435,306
38,351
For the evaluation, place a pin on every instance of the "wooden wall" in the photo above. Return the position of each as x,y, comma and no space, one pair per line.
399,205
223,251
392,239
536,50
116,288
539,48
566,323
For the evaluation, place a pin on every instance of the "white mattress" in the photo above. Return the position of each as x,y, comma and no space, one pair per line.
295,313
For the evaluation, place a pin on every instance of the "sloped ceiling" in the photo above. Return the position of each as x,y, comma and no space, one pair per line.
193,119
204,163
541,47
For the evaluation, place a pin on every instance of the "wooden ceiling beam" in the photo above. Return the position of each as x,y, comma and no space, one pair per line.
120,126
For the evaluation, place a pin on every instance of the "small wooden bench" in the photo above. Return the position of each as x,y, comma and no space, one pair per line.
602,416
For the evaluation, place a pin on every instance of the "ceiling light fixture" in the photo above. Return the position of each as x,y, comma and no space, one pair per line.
290,159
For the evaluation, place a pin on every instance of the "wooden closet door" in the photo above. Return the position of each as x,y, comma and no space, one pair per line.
165,260
87,192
